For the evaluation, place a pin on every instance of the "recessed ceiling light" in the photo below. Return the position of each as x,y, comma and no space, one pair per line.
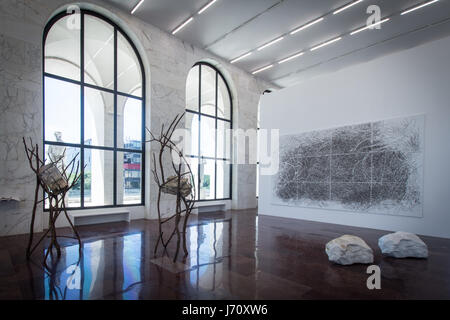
262,69
137,6
291,57
182,25
369,26
306,26
418,7
206,6
270,43
326,43
347,6
240,57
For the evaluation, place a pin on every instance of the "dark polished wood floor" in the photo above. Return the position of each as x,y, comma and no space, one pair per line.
233,255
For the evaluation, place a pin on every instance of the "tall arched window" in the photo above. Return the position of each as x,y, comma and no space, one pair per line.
94,106
209,119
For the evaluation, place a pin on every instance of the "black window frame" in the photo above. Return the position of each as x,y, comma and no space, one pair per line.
215,117
116,93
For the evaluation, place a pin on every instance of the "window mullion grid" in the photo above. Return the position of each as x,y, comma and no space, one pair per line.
205,157
208,115
81,146
199,126
88,146
216,119
143,141
215,139
92,86
115,122
82,111
231,143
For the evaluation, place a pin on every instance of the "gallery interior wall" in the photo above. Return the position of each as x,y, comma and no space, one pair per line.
407,83
167,61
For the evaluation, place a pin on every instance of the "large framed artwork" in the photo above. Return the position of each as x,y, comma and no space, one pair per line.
374,167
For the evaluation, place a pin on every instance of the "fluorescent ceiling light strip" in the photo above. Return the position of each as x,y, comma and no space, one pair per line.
262,69
137,6
418,7
347,6
182,25
326,43
241,57
369,27
270,43
291,57
206,6
306,26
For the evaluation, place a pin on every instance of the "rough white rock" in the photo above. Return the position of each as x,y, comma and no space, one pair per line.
403,245
349,249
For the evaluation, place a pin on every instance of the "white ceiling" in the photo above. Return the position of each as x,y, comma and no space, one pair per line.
230,28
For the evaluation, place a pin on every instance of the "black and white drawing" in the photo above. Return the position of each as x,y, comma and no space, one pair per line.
372,167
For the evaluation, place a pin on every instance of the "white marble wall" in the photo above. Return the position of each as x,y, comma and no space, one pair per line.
167,61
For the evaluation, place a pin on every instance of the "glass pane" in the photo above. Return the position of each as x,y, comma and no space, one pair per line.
67,154
62,48
98,177
207,136
129,123
193,163
223,139
191,124
207,177
192,89
223,179
98,52
208,89
223,100
98,118
62,111
129,77
129,178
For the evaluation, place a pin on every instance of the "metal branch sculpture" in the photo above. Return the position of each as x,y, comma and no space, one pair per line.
56,184
180,184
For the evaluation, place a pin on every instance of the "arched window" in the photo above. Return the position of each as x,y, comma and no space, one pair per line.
94,106
209,119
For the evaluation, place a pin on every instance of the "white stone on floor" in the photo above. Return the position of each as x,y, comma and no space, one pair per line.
403,245
349,249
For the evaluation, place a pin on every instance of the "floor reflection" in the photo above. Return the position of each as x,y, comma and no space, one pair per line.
132,264
235,255
118,267
87,277
209,244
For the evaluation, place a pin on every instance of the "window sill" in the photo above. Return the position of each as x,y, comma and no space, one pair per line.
212,206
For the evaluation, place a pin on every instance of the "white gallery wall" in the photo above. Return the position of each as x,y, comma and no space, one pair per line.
406,83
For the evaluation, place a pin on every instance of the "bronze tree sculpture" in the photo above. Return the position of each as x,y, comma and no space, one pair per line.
56,180
179,183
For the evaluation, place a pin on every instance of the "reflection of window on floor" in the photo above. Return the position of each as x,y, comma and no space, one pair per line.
132,246
94,107
81,280
209,246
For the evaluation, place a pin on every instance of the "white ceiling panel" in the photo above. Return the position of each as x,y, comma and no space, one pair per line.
230,28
